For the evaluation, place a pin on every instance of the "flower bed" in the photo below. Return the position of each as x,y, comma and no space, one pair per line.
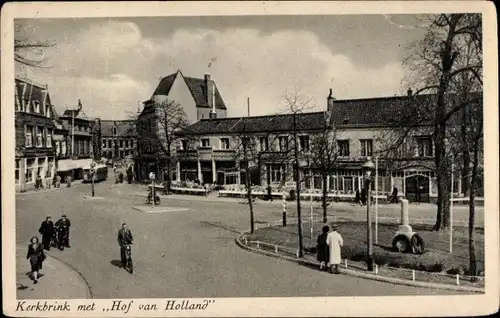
188,187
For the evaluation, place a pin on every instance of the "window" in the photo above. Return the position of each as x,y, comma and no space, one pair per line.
366,147
49,138
126,143
63,149
304,143
36,106
184,144
18,162
48,112
121,143
41,168
104,143
58,147
283,143
343,148
39,137
425,146
205,142
109,143
28,136
224,143
114,130
30,165
131,143
264,143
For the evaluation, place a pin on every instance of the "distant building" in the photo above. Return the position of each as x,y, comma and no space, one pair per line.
34,126
199,98
118,139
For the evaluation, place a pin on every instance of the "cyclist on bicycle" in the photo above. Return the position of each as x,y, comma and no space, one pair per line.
124,238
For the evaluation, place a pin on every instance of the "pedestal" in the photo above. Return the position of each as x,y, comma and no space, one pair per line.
214,171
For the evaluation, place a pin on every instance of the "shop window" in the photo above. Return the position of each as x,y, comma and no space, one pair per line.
304,143
30,166
348,185
39,137
205,142
224,143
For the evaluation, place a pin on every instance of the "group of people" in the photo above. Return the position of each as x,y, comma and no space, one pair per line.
57,234
329,244
54,182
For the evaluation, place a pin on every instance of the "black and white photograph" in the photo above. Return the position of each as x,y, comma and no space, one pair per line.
249,159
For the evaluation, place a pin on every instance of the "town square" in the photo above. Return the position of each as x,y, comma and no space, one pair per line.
249,157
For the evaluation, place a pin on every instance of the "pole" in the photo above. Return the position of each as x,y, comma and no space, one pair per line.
376,200
153,192
284,207
369,258
311,203
92,176
73,133
451,206
248,106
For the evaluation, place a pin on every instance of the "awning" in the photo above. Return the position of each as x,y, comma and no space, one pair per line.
69,164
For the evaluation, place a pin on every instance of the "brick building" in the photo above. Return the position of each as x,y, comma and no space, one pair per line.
361,127
199,98
34,124
118,139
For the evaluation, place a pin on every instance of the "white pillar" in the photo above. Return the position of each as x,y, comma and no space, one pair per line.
328,183
430,186
405,213
238,175
178,172
200,175
45,167
214,171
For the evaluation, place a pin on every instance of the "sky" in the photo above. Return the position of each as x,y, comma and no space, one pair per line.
112,65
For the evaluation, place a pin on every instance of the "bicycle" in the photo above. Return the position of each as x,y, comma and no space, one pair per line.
129,265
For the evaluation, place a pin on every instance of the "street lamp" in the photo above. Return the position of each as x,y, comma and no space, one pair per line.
92,173
368,167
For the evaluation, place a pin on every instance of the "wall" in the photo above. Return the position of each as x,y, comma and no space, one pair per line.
204,113
180,93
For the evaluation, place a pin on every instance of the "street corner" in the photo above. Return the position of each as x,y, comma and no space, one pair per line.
158,209
57,280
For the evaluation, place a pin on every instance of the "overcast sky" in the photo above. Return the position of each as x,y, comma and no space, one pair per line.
111,64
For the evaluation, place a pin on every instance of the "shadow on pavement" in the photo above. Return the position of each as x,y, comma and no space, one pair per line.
116,263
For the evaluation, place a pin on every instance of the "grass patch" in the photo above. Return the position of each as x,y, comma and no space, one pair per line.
436,257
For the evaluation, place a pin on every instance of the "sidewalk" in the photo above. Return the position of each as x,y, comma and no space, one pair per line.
52,189
58,282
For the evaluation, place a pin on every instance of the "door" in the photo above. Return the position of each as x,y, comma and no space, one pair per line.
417,188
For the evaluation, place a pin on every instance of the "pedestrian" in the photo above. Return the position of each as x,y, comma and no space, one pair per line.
38,183
63,224
47,231
394,198
358,197
363,196
36,257
335,243
323,252
58,181
124,238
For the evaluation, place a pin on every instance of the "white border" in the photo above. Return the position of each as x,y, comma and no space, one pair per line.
310,306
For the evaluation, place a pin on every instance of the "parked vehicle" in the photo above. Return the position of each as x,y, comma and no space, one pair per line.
100,174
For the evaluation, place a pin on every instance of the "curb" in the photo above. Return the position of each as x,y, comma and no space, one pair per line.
361,274
86,283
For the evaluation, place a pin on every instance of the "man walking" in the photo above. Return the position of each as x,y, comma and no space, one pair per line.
124,238
47,231
63,226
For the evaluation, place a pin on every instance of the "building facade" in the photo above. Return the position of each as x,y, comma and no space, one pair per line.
118,139
199,98
34,125
362,129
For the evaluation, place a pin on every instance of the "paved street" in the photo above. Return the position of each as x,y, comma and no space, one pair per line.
181,253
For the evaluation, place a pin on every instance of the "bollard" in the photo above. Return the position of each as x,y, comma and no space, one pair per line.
376,269
413,275
458,279
345,263
258,244
276,249
297,254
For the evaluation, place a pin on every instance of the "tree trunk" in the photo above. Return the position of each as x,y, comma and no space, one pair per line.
442,179
472,214
325,196
249,189
268,176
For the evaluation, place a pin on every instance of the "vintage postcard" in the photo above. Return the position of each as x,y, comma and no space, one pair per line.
249,159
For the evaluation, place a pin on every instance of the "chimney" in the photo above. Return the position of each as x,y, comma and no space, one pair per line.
410,92
330,100
209,87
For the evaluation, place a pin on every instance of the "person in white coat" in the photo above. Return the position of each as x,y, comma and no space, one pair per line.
335,243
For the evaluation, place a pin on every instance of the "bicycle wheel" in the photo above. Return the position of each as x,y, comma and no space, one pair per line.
130,266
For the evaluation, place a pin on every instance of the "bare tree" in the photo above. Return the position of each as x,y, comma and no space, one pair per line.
324,153
29,52
436,62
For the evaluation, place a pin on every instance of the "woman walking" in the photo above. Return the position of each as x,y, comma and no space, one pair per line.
335,243
36,257
323,253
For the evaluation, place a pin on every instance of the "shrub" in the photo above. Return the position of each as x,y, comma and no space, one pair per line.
437,267
454,271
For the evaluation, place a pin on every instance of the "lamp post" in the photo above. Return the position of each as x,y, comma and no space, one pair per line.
92,173
152,177
368,167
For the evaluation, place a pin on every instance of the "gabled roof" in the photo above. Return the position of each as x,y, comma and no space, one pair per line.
32,91
123,127
196,87
257,124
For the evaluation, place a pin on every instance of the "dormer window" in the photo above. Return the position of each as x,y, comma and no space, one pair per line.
36,106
